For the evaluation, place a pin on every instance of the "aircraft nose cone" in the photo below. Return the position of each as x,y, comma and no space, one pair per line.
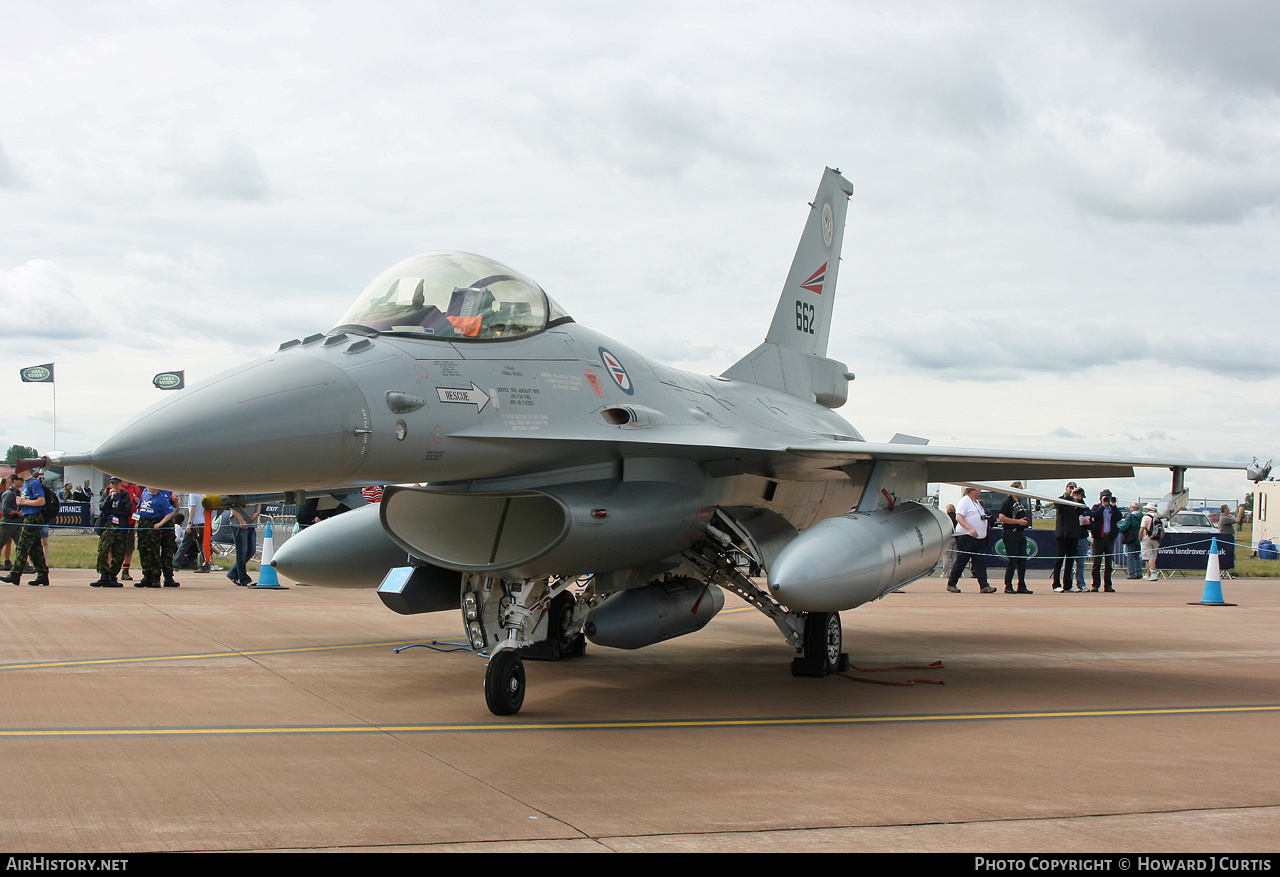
284,422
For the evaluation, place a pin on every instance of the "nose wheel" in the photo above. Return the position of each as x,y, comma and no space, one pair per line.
823,644
504,683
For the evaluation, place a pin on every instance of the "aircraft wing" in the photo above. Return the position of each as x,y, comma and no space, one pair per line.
1005,488
954,465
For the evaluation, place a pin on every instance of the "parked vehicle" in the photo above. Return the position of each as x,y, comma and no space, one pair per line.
1190,522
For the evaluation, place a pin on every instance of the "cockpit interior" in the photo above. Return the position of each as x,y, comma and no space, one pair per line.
455,295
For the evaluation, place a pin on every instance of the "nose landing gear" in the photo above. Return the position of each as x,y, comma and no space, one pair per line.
504,683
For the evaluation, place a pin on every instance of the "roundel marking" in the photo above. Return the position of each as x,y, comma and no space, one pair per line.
828,224
617,371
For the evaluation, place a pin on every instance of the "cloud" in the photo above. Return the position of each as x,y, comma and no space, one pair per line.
231,171
40,299
11,177
958,90
1232,45
651,128
1006,344
1018,344
189,269
1063,432
1128,168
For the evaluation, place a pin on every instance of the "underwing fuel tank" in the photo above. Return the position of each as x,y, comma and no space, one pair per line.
350,550
849,560
643,616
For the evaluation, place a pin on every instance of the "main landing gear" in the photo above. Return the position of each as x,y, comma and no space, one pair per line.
823,644
818,636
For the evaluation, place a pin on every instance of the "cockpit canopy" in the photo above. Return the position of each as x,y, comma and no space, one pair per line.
448,294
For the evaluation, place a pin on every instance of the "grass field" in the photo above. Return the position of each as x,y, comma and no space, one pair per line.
81,552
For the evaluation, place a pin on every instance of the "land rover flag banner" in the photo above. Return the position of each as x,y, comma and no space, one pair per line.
170,380
37,374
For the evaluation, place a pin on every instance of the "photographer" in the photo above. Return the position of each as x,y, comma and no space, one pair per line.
971,541
1015,518
1104,523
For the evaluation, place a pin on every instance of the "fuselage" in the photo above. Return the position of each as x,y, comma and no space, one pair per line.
346,409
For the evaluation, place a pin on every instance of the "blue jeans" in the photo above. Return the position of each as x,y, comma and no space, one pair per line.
246,541
1133,559
1081,558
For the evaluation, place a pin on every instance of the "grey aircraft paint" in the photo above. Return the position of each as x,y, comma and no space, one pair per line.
552,467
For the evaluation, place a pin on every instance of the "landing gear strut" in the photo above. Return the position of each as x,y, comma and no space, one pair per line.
538,619
823,642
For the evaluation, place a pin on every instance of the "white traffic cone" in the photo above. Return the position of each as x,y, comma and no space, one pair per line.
267,577
1212,595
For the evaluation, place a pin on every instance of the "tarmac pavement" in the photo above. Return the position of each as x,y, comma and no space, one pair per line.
212,717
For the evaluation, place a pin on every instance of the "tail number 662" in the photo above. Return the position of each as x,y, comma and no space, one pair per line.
805,321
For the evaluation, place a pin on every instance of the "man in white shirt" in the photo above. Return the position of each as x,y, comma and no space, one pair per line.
971,541
1150,533
191,546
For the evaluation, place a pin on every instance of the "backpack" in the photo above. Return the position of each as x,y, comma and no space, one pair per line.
52,505
1157,528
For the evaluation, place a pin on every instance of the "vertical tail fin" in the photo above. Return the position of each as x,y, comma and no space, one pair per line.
793,355
803,318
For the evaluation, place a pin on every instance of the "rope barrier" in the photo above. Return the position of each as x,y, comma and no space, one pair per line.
1206,541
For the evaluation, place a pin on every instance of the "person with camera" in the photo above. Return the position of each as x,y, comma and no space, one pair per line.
1066,530
971,541
1104,523
1015,518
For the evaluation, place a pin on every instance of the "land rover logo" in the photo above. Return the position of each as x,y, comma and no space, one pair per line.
35,373
169,381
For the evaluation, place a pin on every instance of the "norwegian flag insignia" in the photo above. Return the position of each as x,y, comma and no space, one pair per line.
814,283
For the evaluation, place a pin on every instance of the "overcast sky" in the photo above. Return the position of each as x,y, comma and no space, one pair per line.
1063,233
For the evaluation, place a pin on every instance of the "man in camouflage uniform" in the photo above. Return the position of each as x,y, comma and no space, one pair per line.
156,541
10,517
31,502
131,534
116,525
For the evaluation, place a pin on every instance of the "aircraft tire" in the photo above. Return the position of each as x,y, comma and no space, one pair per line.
504,683
569,645
832,642
823,644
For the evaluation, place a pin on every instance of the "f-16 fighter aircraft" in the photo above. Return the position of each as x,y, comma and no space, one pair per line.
556,485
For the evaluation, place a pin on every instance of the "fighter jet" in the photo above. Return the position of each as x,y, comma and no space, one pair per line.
555,486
